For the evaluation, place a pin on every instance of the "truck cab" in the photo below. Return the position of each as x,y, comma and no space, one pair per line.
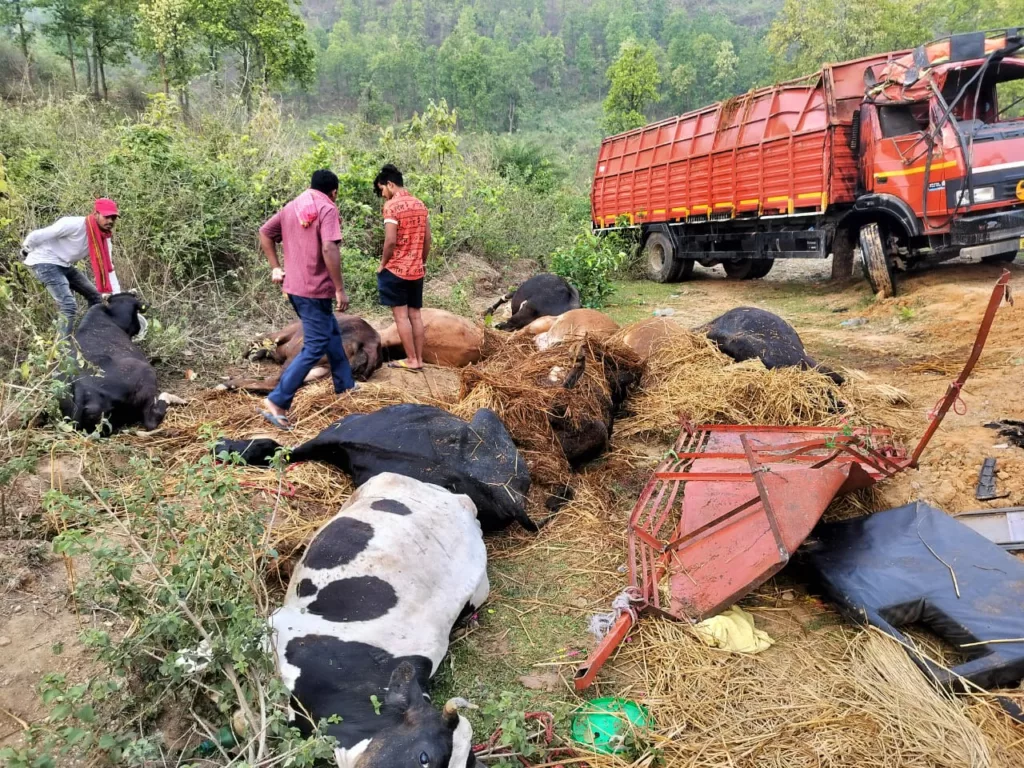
940,145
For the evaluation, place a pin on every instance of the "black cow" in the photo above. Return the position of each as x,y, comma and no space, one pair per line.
477,458
540,296
124,391
747,332
367,618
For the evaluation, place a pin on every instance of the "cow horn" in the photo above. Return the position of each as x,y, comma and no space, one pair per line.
451,710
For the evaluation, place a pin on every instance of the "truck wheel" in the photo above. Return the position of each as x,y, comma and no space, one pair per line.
877,268
761,268
744,269
662,264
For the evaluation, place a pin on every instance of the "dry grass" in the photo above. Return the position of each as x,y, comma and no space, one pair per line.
826,697
823,698
688,376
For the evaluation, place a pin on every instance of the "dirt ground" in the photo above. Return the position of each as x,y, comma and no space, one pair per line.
531,636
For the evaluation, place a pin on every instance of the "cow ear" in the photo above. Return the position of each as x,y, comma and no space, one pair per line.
402,688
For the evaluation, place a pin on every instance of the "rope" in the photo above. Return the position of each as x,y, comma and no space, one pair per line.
600,623
959,406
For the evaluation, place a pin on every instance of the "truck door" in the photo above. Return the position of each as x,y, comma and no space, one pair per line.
897,154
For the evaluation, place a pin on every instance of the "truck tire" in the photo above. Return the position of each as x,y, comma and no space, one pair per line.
761,268
877,267
662,264
747,269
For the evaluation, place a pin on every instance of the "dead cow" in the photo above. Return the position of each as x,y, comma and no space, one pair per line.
360,340
449,340
576,324
124,392
367,618
747,332
543,294
477,458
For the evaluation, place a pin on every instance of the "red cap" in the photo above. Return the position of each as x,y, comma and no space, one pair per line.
106,207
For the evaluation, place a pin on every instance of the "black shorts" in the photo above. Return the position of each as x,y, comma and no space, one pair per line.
396,292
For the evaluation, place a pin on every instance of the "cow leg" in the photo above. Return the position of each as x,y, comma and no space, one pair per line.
256,386
170,399
520,319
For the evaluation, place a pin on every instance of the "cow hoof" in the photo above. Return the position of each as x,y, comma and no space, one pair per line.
150,433
170,399
221,388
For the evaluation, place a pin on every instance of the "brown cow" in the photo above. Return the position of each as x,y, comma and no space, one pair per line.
361,342
576,324
450,340
646,336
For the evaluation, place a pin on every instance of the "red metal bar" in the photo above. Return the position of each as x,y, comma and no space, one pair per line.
692,535
757,471
1000,291
711,477
586,673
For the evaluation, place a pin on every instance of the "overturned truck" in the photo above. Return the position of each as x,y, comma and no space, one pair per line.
910,156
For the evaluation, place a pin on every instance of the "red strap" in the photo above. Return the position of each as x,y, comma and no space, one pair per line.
99,255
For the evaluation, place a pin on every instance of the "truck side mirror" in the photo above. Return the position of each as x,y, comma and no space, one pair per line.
855,133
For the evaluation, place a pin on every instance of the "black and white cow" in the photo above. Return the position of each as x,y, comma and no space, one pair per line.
125,391
366,622
744,333
542,295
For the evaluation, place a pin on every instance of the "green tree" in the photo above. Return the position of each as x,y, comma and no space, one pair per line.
725,63
64,24
269,38
809,33
13,18
467,63
634,81
169,29
110,25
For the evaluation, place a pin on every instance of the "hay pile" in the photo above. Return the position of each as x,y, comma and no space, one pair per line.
818,698
525,388
688,376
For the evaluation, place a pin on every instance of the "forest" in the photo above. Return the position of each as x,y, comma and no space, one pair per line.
202,118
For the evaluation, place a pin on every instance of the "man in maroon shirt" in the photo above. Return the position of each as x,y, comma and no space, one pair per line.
309,230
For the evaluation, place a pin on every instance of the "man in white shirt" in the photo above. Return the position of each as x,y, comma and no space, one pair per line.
51,255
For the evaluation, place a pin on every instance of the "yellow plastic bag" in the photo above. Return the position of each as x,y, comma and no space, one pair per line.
734,631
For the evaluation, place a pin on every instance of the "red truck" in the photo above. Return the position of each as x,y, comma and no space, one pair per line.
910,156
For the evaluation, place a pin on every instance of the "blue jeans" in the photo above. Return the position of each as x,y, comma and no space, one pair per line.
60,282
320,336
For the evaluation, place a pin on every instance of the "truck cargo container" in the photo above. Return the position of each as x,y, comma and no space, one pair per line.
909,157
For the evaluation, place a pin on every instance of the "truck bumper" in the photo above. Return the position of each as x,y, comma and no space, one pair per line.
988,228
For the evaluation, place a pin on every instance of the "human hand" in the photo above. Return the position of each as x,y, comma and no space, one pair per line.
342,298
380,269
277,275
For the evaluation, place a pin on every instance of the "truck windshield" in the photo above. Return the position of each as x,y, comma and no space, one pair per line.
992,107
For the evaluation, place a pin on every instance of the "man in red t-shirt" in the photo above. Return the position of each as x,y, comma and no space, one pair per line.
403,263
309,230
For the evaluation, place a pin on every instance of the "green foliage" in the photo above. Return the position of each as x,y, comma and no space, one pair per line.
589,264
529,164
809,33
634,79
201,543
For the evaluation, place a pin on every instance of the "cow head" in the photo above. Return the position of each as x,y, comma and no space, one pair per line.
125,310
422,737
362,345
91,405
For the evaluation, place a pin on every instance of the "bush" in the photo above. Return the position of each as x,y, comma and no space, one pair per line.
528,164
589,263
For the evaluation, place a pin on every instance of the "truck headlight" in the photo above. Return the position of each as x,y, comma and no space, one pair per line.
984,194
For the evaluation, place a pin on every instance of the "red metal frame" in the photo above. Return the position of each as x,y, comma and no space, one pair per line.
698,536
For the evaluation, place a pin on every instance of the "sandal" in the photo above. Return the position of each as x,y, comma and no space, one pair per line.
402,365
281,422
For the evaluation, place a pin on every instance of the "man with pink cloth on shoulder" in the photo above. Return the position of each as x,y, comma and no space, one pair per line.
309,230
52,252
